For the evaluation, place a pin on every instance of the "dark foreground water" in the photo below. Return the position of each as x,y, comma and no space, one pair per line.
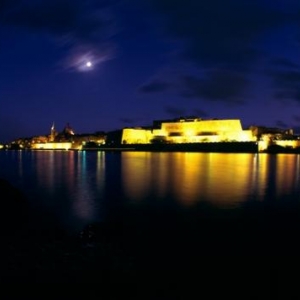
161,225
78,188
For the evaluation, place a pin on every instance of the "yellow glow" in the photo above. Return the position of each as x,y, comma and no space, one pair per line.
262,145
136,136
186,167
288,143
136,175
228,178
198,131
259,175
224,180
189,133
52,146
285,173
101,169
45,161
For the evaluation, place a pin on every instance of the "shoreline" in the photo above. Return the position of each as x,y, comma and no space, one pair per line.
235,147
218,147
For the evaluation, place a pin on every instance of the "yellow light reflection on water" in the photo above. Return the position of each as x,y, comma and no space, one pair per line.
66,172
189,178
100,175
161,169
286,173
259,175
136,175
222,179
83,199
46,168
185,179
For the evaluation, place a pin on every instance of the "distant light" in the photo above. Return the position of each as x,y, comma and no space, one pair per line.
88,64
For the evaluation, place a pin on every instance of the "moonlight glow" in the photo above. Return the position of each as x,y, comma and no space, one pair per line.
81,59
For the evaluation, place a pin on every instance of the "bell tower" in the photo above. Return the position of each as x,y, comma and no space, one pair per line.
52,133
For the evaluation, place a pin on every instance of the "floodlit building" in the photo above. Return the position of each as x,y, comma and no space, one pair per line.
53,134
66,139
52,146
136,136
268,136
183,130
188,130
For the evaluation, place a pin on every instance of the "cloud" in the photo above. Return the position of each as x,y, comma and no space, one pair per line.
218,31
200,112
174,111
4,4
213,85
283,63
155,86
70,18
227,35
285,78
72,24
286,84
128,121
218,85
85,58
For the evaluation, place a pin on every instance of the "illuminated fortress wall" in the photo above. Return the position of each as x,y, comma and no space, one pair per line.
205,131
267,140
52,146
288,143
195,131
136,136
200,126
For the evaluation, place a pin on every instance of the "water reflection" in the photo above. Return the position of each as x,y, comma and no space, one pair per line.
45,168
136,171
287,171
83,199
188,177
224,180
77,185
259,176
69,183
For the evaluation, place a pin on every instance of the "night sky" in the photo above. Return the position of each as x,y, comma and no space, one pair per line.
105,65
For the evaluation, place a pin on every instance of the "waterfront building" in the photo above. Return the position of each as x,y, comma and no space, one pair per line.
187,130
183,130
67,139
271,137
53,134
52,146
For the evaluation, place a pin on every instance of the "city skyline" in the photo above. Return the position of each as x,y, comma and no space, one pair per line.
153,125
106,65
67,132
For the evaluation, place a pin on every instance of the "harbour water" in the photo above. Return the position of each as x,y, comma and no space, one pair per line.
80,187
230,218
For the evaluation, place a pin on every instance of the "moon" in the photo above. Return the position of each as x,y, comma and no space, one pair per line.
89,64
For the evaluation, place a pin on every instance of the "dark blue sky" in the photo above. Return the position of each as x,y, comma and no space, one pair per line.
150,59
